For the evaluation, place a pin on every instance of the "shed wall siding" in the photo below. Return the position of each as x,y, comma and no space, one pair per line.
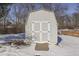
41,16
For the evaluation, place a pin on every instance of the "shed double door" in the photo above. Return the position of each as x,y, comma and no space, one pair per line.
41,31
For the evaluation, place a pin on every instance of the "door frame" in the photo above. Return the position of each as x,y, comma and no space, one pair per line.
40,22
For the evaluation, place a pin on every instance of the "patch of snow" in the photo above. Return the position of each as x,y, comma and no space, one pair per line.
70,47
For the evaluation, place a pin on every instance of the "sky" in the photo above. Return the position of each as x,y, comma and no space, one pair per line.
72,7
70,11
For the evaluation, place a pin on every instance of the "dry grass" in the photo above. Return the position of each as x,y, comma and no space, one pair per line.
19,42
71,33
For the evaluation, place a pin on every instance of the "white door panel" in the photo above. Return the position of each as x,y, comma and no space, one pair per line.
44,27
41,31
44,36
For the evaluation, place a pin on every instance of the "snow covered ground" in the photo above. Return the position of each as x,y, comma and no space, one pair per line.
68,47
